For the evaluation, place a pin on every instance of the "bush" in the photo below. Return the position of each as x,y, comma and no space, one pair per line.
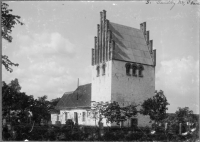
88,133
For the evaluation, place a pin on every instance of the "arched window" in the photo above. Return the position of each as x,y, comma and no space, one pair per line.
128,67
134,69
104,69
98,71
140,68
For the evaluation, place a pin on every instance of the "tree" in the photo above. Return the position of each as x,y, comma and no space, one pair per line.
9,96
15,85
15,104
115,113
53,103
18,105
155,107
183,122
184,115
23,106
40,109
8,21
97,110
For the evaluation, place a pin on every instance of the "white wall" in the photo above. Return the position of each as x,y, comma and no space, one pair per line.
88,121
54,118
130,89
101,86
115,85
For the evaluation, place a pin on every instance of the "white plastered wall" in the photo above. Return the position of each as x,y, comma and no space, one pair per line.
130,89
101,85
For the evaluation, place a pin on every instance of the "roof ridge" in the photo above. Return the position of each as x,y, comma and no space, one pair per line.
125,26
66,93
85,84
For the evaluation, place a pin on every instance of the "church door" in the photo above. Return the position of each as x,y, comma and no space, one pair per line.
76,117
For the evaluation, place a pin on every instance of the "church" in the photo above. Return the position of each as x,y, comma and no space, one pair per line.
123,70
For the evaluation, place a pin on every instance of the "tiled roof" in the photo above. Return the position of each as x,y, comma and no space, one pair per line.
130,44
80,98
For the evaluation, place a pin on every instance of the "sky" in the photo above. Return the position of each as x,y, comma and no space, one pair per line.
53,48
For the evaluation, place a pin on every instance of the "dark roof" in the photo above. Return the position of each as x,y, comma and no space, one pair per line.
80,98
54,111
130,44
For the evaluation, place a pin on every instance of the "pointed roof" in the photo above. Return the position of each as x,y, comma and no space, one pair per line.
130,44
80,98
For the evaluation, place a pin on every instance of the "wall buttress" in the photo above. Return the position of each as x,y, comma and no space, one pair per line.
100,37
154,57
96,50
147,37
151,46
98,34
106,39
92,56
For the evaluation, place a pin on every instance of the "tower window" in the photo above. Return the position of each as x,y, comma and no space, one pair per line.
140,68
98,71
134,69
104,69
128,67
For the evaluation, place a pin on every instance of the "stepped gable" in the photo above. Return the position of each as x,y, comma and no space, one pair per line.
80,98
119,42
130,44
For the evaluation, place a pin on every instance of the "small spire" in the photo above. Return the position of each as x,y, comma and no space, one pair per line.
78,83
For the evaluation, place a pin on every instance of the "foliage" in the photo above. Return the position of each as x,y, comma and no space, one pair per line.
115,113
112,113
53,103
8,21
98,110
40,109
184,115
15,85
155,107
7,63
19,107
69,124
53,133
15,103
13,99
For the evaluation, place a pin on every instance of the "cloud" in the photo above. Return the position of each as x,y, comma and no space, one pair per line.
46,78
47,65
179,79
45,45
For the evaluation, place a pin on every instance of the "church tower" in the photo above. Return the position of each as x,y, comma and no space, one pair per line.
123,63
